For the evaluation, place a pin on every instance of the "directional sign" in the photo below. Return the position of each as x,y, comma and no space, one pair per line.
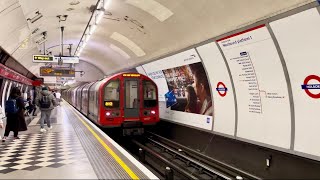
307,86
67,59
54,59
222,89
47,71
42,58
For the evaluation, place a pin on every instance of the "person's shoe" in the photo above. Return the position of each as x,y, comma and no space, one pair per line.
49,128
42,130
4,139
15,138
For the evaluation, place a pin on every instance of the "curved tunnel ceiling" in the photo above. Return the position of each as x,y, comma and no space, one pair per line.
131,32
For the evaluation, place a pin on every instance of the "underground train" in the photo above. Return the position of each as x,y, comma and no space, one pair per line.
125,100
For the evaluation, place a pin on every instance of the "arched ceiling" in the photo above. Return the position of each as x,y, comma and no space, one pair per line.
156,27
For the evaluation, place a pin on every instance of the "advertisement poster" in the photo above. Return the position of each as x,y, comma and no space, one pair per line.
191,88
182,78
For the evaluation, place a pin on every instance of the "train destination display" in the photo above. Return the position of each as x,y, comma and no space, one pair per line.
47,71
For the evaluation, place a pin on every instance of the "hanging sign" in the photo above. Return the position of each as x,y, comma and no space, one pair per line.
54,59
48,71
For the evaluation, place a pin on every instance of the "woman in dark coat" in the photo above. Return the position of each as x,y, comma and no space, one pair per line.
15,122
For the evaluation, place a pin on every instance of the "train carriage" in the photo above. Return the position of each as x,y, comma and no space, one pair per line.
126,100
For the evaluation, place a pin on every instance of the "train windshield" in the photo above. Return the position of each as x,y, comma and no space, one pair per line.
111,95
149,94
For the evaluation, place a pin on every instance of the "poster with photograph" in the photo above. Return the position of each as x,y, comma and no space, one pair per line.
182,80
189,83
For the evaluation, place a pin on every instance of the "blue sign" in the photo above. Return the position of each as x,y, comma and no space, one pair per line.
170,99
310,86
243,53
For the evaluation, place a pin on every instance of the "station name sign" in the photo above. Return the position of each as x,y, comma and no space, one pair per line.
54,59
47,71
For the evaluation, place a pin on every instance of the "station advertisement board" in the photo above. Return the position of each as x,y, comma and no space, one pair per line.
184,76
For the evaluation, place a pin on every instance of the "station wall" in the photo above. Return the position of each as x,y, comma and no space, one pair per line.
264,84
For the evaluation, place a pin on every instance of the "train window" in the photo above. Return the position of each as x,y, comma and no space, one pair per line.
149,94
131,92
112,94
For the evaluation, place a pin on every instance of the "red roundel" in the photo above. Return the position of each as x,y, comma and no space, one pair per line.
306,89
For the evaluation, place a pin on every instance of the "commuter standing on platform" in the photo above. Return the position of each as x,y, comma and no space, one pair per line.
15,114
46,102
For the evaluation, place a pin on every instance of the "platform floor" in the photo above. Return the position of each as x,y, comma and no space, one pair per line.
73,149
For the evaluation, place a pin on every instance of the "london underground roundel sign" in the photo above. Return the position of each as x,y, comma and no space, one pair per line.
222,89
306,87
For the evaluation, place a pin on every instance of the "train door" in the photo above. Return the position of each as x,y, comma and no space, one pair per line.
131,99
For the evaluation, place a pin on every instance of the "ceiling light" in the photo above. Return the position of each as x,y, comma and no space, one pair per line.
36,18
92,28
106,3
87,37
128,43
120,51
99,16
152,7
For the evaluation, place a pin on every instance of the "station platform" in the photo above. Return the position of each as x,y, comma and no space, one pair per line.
73,149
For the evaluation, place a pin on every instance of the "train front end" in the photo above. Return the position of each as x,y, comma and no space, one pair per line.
129,101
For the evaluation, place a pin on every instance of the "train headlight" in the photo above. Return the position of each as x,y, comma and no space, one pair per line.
108,113
153,112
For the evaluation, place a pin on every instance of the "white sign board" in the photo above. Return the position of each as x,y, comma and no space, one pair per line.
54,59
261,89
298,37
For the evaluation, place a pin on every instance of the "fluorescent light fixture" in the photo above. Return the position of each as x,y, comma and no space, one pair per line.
120,51
87,37
92,28
99,16
152,7
84,44
128,43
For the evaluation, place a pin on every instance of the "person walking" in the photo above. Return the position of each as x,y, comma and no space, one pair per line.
15,114
46,102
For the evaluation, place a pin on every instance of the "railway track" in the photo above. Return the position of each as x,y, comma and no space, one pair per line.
175,161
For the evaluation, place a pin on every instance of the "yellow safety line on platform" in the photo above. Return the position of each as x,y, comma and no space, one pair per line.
110,151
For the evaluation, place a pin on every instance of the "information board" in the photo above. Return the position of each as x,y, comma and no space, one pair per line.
261,88
47,71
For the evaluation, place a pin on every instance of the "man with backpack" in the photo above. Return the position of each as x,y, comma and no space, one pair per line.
46,102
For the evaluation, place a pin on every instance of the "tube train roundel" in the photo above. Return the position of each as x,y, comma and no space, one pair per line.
126,100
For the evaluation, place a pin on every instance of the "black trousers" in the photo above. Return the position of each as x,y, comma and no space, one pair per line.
7,132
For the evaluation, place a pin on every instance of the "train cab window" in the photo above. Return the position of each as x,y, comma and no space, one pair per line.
149,94
112,94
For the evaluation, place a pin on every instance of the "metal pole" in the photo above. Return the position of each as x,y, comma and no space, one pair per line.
142,156
168,174
62,29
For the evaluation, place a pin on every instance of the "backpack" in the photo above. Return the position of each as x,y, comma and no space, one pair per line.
45,102
11,106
